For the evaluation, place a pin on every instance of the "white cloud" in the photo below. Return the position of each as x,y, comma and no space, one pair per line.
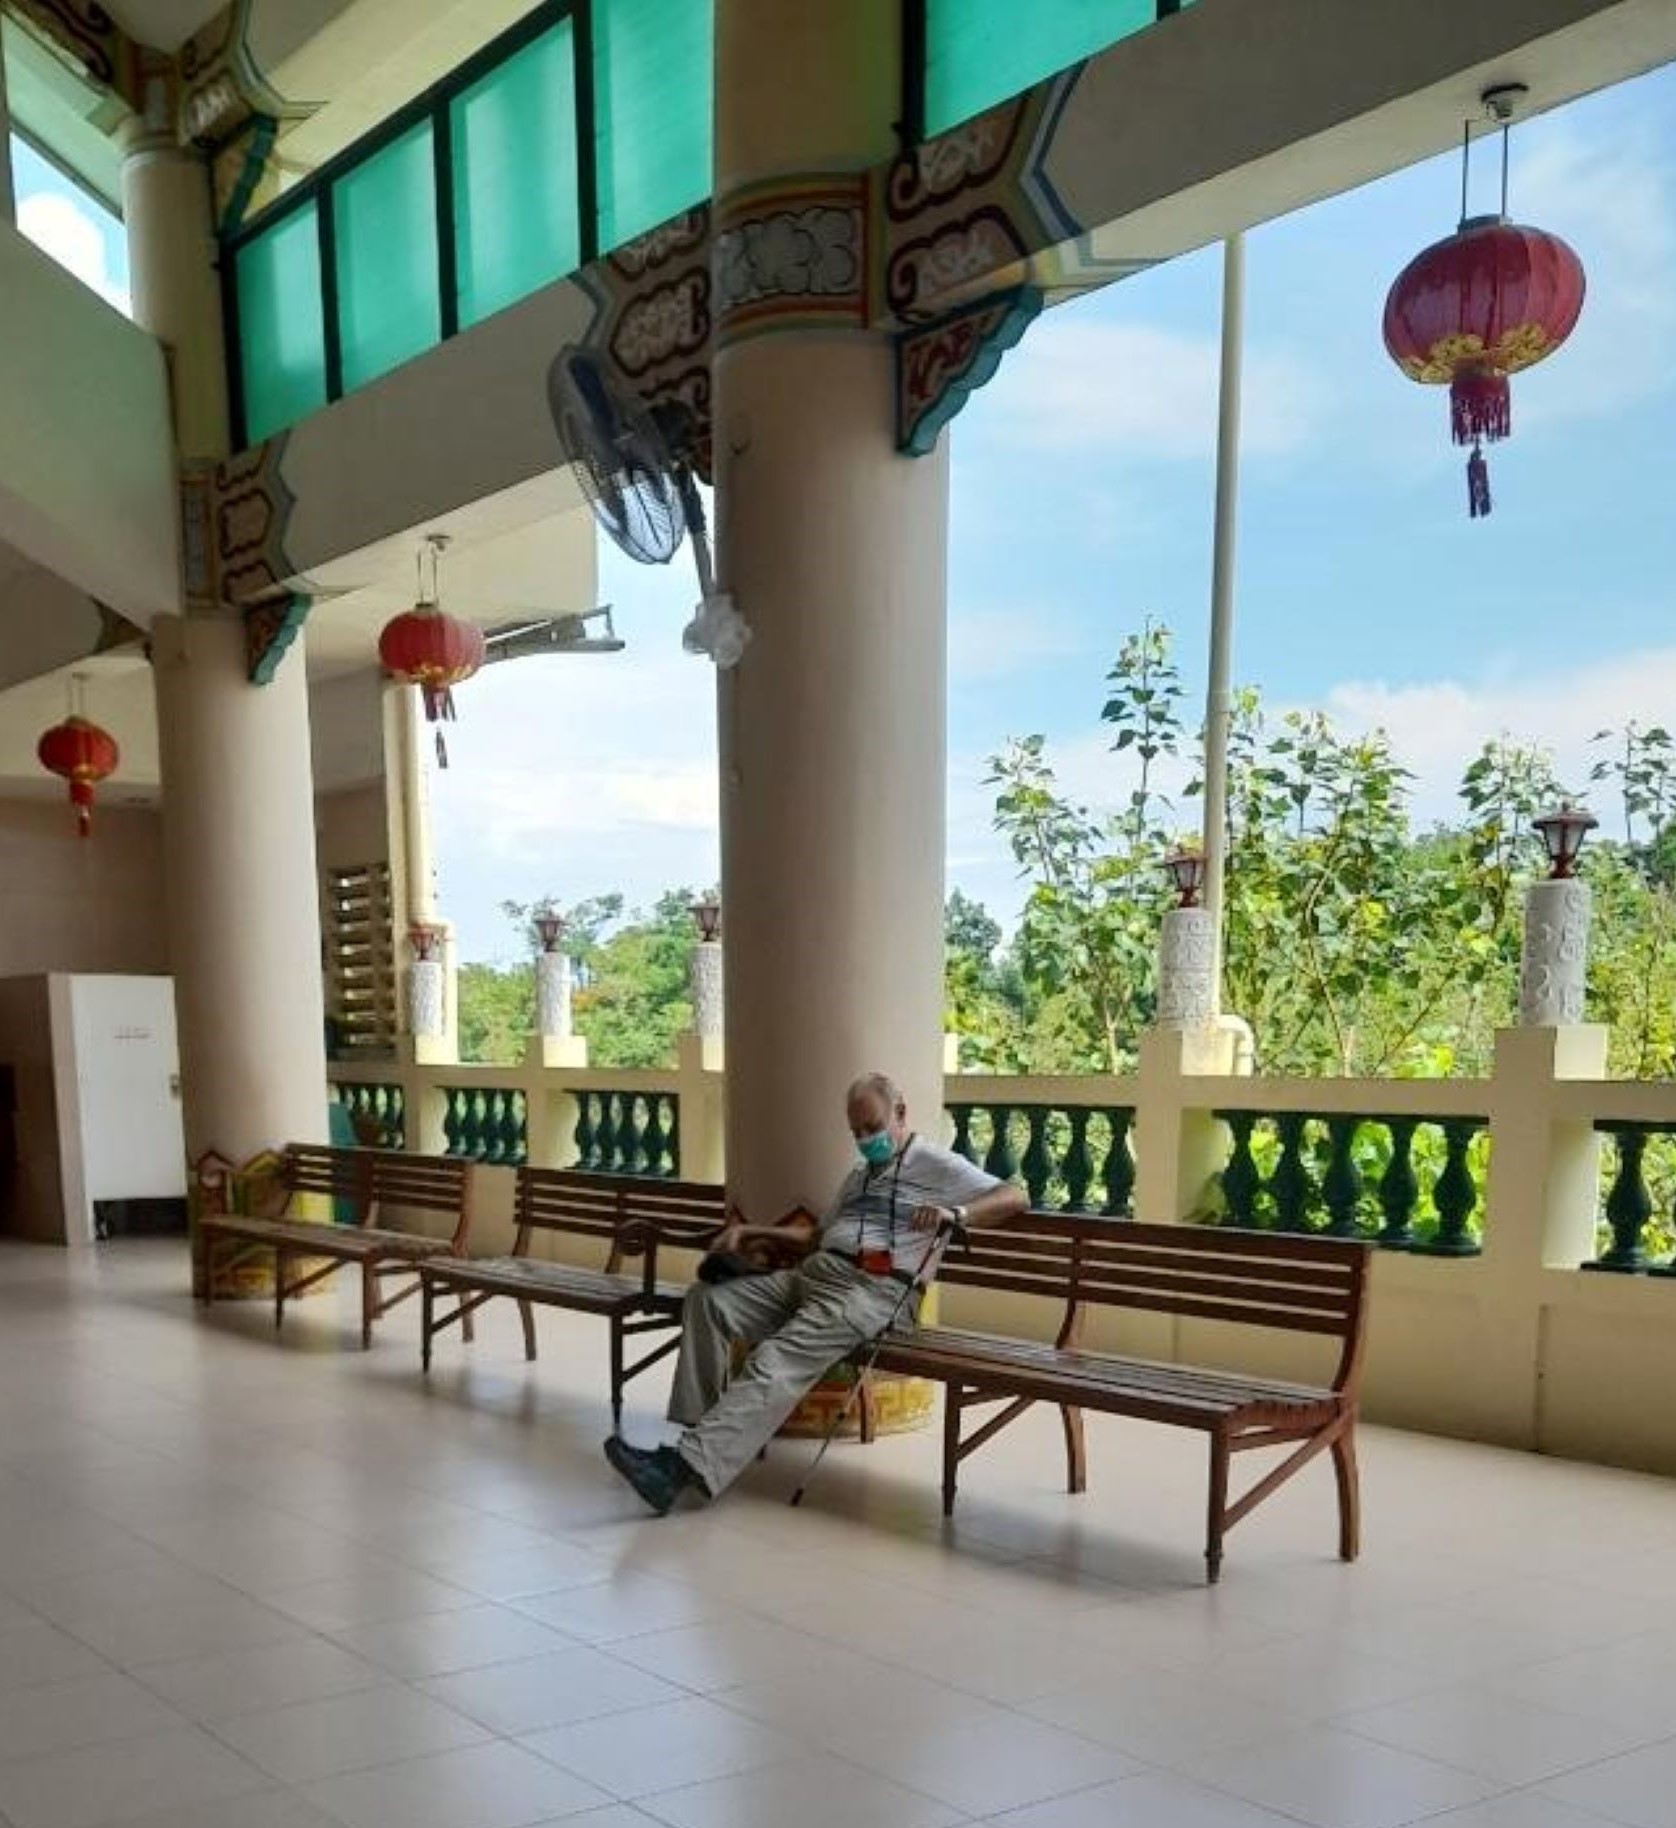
1437,726
1614,199
1146,392
60,226
987,644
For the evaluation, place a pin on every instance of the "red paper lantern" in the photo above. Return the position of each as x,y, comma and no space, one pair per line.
1475,308
83,755
434,652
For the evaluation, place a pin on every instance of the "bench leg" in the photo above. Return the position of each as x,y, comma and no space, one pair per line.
951,1446
468,1326
205,1266
279,1289
369,1302
1076,1449
617,1377
1349,1493
1217,1508
526,1313
427,1308
868,1404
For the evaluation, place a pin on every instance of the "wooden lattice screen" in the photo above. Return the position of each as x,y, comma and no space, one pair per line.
358,936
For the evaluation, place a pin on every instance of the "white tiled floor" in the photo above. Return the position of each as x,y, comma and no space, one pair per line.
248,1583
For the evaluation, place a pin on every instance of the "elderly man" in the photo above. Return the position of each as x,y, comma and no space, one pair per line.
877,1240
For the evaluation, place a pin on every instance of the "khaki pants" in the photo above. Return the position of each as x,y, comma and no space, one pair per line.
800,1321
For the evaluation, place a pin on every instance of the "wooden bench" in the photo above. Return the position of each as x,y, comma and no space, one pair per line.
1303,1285
631,1217
369,1182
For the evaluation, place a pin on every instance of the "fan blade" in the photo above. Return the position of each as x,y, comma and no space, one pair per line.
617,455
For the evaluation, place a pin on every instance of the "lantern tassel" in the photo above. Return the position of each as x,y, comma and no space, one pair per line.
1478,485
81,797
441,751
1480,406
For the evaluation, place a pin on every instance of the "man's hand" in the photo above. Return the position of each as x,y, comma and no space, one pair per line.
929,1218
730,1239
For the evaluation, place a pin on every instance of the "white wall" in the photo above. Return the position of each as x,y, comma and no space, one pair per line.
87,465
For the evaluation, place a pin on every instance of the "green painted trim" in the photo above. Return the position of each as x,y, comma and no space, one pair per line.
921,439
269,631
262,131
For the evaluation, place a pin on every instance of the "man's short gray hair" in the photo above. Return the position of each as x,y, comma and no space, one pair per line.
879,1085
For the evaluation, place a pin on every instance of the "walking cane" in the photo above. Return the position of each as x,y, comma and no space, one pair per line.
948,1230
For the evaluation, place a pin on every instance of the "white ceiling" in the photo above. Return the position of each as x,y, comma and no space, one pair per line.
503,565
162,23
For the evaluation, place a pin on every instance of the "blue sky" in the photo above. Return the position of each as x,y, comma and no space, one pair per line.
1082,496
1082,493
70,223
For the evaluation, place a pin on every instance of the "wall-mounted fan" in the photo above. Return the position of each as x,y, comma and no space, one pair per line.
635,467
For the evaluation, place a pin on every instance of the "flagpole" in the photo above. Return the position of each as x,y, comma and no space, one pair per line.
1219,686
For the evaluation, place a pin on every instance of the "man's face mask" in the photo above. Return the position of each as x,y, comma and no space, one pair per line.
876,1149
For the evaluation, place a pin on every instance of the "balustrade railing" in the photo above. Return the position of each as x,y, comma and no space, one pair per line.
377,1110
1406,1182
624,1132
486,1123
1071,1157
1638,1215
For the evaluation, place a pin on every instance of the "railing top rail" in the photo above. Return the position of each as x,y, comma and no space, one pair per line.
1421,1098
1096,1091
1628,1101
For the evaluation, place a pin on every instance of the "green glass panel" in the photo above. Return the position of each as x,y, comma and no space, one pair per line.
384,214
653,64
979,52
517,225
282,337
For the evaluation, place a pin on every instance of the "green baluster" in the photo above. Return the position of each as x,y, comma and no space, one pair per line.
1038,1163
635,1156
586,1133
517,1129
1455,1195
489,1103
1241,1183
1399,1187
1628,1205
1079,1163
1341,1186
962,1115
672,1103
610,1112
1118,1174
652,1137
453,1120
1290,1185
1001,1161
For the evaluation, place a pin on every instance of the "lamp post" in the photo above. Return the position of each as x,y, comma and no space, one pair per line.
1187,947
1554,968
706,968
552,976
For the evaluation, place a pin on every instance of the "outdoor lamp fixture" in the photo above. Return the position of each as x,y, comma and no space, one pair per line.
707,917
1186,870
1562,834
1480,305
424,941
549,926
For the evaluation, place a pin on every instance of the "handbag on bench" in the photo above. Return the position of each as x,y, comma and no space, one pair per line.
798,1230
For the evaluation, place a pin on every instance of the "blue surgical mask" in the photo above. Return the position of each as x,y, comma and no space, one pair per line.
876,1149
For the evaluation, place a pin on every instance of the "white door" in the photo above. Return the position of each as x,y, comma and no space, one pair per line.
128,1076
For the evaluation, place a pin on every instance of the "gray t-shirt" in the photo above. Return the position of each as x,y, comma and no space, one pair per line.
875,1207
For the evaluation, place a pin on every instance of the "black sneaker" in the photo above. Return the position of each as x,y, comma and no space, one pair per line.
659,1475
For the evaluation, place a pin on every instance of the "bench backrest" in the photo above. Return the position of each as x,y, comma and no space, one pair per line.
378,1181
1296,1284
684,1215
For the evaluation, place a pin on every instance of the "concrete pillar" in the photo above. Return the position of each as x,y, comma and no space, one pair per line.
832,728
1187,969
244,918
169,208
1554,969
